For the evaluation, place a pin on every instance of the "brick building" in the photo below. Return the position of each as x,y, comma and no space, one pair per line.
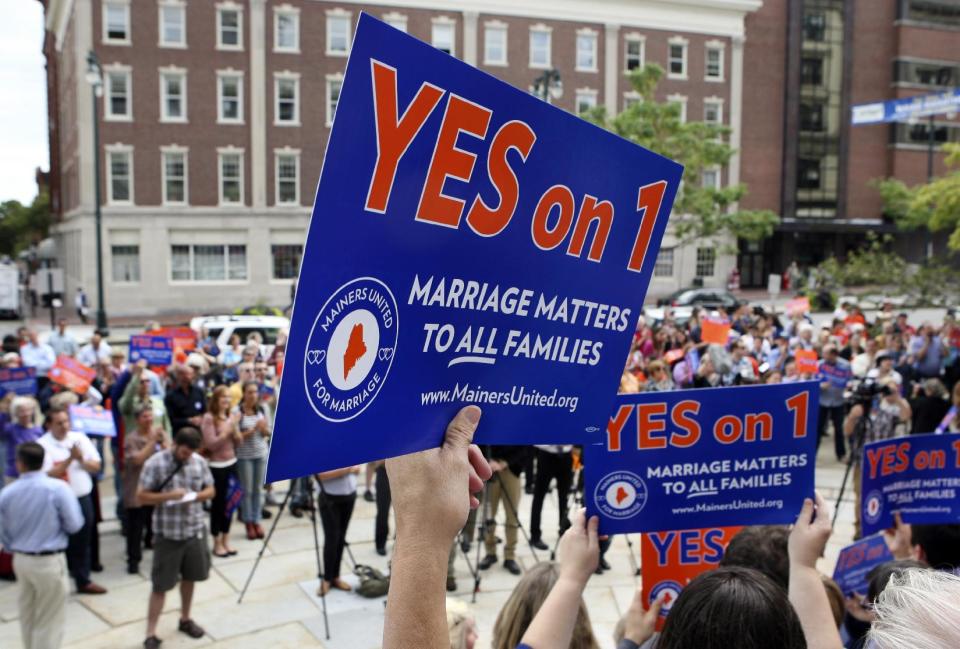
214,118
811,166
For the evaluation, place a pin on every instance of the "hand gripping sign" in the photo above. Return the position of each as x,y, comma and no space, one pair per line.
469,244
671,560
715,457
919,476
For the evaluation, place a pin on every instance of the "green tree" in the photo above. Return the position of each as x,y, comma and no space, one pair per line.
23,225
699,212
934,205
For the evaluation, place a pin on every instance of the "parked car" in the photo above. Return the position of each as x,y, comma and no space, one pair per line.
709,298
222,327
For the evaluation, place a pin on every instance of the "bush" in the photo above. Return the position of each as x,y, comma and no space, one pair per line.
258,309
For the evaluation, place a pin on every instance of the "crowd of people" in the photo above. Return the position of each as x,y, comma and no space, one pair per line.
192,439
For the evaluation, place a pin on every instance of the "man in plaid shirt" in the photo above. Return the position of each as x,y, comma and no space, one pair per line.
175,481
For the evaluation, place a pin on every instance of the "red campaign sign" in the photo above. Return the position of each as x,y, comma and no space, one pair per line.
715,331
798,306
72,374
184,338
673,355
670,560
806,361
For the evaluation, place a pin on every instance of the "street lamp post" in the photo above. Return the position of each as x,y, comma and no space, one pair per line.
548,85
95,79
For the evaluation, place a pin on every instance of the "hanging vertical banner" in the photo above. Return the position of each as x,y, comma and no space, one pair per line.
717,457
469,244
919,476
671,560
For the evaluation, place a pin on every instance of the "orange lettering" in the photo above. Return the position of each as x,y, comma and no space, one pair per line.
483,219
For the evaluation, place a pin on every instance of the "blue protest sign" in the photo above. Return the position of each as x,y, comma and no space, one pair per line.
919,476
469,244
836,375
857,560
716,457
92,420
156,350
19,380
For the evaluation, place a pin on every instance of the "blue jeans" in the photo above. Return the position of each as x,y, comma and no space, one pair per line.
251,474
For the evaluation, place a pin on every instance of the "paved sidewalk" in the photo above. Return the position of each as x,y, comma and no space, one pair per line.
281,609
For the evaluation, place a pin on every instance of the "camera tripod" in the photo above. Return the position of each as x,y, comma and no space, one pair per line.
857,440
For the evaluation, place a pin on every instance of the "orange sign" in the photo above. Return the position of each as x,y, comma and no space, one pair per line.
72,374
184,338
798,306
670,560
714,331
806,361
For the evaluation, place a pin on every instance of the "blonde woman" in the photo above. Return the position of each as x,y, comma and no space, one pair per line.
221,436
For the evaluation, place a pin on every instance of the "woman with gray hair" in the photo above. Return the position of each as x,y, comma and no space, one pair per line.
23,425
918,609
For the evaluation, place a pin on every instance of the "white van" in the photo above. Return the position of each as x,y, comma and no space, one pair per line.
222,327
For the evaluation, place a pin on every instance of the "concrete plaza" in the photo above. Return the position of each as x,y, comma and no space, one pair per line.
281,608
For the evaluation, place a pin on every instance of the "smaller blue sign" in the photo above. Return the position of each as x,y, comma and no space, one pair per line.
857,560
901,110
919,476
92,420
19,380
156,350
716,457
836,375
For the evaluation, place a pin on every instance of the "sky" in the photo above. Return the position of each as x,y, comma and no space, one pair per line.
23,99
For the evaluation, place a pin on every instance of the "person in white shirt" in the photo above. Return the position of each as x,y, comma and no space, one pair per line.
71,456
62,343
37,355
863,363
95,352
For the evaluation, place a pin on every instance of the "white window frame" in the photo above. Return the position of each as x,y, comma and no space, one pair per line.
286,281
497,26
230,6
277,154
174,149
172,4
279,77
226,264
715,170
110,150
445,22
540,28
640,40
121,282
630,97
682,100
594,36
108,115
396,20
238,74
170,72
685,58
221,152
714,46
339,14
718,102
103,23
286,11
329,115
582,93
661,261
708,252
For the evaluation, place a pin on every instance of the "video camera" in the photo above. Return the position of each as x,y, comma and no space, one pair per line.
864,391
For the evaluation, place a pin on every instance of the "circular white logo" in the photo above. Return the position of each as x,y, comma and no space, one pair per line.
620,494
672,590
350,349
873,506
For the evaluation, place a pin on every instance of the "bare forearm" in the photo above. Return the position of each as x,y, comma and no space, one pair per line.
416,608
552,627
809,599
